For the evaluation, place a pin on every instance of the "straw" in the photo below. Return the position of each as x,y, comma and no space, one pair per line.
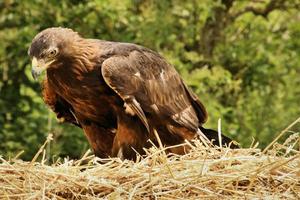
202,173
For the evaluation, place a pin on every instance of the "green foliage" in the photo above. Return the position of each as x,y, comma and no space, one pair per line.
244,66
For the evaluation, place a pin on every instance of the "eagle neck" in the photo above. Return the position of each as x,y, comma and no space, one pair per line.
83,59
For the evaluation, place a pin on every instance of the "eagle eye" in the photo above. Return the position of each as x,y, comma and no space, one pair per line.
52,53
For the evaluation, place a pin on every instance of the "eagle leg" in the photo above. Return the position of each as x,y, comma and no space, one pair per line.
130,138
99,138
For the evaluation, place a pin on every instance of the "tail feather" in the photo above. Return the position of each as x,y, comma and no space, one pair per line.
212,135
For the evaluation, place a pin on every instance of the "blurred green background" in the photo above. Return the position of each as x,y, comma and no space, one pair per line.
242,58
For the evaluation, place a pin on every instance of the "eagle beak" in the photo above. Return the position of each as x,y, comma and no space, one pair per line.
34,74
38,66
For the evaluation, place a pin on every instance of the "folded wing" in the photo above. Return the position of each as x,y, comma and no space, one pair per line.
151,86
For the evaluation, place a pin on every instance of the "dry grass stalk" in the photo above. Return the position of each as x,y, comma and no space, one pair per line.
203,173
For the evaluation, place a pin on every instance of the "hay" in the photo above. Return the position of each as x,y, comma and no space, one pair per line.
201,174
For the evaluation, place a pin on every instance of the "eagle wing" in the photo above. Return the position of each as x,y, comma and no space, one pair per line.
148,84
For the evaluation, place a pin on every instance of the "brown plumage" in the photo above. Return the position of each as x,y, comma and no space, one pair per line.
118,93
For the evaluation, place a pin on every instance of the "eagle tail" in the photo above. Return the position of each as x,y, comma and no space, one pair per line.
212,135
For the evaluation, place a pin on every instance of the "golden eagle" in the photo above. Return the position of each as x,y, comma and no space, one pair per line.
120,94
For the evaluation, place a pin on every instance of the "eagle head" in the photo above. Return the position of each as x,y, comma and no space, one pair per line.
49,46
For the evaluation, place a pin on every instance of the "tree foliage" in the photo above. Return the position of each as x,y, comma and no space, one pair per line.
240,57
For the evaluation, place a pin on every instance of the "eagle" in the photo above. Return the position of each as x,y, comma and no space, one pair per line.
124,97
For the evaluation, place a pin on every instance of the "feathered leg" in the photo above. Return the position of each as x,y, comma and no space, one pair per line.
99,138
131,137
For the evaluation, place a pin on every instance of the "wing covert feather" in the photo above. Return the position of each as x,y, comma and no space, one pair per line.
148,84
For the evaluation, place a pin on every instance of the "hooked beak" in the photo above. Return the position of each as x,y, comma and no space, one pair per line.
38,66
34,74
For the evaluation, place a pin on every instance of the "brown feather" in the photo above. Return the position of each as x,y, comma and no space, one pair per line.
92,82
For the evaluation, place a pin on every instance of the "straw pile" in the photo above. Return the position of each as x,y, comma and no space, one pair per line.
201,174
